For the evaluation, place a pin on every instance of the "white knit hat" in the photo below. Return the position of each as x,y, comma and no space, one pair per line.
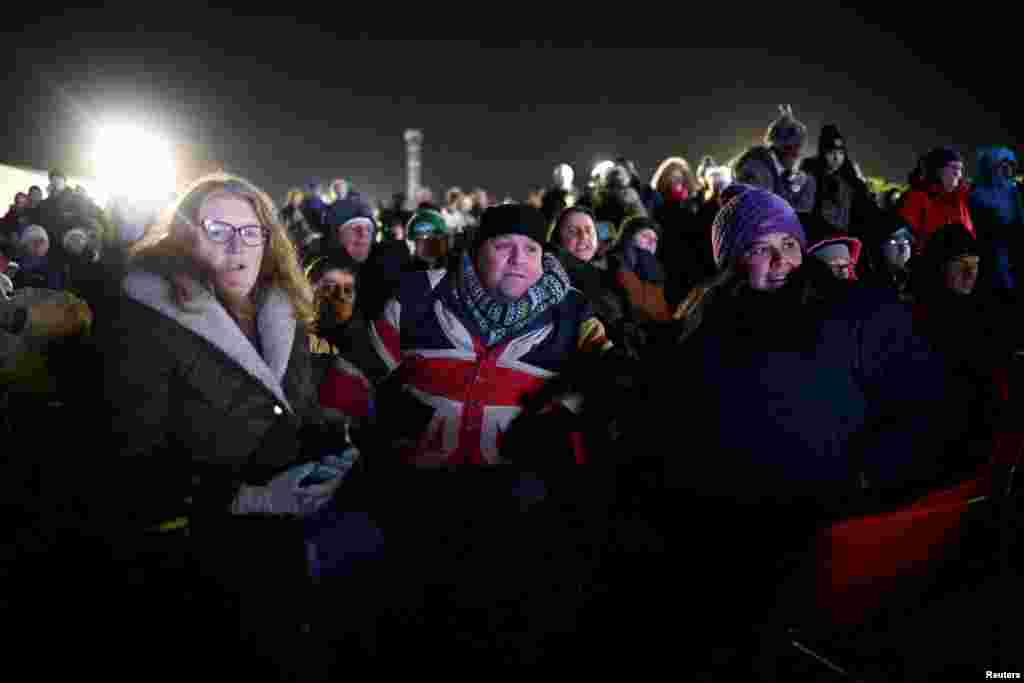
33,232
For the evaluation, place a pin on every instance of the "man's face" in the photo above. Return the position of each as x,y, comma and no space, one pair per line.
336,293
789,155
35,197
962,274
647,240
431,248
509,265
398,230
834,158
59,184
355,238
951,174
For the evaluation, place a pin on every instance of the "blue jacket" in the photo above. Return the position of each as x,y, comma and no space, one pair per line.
1001,196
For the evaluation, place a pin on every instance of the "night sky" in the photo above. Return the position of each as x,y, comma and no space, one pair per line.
281,102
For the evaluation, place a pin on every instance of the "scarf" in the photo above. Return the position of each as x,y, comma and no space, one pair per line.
498,320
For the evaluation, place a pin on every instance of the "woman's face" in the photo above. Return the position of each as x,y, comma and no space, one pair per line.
834,159
770,260
509,265
951,174
336,291
235,263
647,240
38,247
896,251
579,235
962,274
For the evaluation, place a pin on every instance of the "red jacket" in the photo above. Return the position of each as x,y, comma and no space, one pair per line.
929,208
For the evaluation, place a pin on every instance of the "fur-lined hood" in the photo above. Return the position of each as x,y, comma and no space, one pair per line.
667,165
205,316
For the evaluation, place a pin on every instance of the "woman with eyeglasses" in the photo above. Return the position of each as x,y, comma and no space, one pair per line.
208,395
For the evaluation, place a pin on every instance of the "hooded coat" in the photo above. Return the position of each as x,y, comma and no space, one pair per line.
759,167
927,206
998,214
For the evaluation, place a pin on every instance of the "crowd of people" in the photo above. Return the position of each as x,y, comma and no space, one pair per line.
493,427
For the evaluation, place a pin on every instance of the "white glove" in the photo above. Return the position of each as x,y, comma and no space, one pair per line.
278,497
327,476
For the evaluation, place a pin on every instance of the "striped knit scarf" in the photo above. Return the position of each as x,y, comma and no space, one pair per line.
501,320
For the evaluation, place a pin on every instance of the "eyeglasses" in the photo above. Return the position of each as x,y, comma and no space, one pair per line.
221,232
899,243
841,269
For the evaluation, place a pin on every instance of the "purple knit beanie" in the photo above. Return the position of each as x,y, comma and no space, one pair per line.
749,215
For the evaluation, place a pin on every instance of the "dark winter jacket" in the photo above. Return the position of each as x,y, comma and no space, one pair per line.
187,391
775,400
758,167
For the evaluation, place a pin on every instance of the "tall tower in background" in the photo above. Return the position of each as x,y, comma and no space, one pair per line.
413,146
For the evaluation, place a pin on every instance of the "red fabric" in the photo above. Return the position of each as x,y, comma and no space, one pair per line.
929,209
1001,379
390,337
578,448
466,380
346,393
864,560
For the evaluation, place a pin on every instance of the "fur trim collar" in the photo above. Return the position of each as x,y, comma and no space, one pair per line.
207,318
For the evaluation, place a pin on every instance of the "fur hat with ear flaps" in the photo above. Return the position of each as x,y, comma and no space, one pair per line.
785,130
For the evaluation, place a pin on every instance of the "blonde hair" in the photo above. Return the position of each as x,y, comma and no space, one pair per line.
294,193
660,180
690,312
168,246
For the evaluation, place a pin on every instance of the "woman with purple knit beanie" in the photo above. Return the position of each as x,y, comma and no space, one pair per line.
775,409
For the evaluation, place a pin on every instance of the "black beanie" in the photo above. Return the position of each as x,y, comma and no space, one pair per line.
830,139
938,158
511,219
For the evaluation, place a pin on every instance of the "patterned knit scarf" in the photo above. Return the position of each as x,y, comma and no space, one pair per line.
500,320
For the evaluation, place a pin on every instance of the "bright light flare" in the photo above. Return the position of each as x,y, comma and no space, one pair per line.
133,163
602,168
